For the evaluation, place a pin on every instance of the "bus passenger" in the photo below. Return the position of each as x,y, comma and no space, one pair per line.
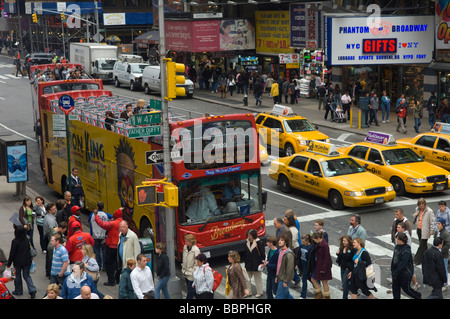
203,203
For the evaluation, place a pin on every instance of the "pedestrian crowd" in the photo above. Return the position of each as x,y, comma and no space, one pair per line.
75,257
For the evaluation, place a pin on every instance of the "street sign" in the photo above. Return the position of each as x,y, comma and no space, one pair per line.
59,122
147,131
66,103
154,157
156,104
145,119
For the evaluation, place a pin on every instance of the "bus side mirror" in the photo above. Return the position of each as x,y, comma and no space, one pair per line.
264,197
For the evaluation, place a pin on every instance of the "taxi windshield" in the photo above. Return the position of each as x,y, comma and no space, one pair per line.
341,166
400,156
298,125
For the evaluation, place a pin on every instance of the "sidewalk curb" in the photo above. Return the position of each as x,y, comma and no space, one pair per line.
242,107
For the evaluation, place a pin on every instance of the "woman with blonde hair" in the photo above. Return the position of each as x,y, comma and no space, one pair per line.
236,277
53,292
424,220
188,265
90,263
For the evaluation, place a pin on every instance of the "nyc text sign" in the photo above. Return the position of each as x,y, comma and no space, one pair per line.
390,40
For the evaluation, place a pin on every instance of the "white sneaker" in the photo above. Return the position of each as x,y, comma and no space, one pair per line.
383,122
387,121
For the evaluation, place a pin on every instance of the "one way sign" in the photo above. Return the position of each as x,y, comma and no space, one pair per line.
154,157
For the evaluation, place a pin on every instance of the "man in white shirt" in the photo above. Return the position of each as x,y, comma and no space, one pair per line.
142,278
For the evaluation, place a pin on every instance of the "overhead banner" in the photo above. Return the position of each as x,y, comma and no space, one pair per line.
393,40
272,32
442,18
210,35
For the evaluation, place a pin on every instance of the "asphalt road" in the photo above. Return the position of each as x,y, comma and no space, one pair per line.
16,117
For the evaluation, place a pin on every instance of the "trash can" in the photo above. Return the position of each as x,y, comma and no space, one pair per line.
148,249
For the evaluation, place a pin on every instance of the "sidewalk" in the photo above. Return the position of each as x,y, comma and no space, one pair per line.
307,107
10,205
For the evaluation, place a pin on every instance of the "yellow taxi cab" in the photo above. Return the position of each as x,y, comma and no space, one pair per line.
434,146
286,130
401,166
263,155
322,171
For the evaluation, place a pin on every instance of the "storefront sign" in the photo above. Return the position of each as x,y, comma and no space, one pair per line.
305,25
289,58
442,18
394,40
114,18
272,32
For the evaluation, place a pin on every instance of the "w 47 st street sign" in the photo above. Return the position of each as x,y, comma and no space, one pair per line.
145,119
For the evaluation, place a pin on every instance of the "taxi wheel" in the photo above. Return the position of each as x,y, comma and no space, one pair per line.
285,186
398,185
335,199
289,150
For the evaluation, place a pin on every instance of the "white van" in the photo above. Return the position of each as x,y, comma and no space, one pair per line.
128,71
151,81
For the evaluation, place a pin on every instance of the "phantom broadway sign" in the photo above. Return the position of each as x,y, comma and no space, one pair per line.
388,40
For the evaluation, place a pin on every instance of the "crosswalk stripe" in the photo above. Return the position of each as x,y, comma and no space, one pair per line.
3,77
12,76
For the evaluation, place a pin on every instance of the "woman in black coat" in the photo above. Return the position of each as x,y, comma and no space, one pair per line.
254,256
402,269
20,256
357,276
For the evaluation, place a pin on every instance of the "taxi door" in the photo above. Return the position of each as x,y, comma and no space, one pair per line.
424,147
296,171
313,178
274,129
441,154
375,163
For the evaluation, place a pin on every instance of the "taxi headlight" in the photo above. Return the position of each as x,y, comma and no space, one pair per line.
448,176
328,140
303,142
416,180
354,194
389,188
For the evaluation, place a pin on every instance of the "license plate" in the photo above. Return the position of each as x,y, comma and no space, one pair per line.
439,187
379,200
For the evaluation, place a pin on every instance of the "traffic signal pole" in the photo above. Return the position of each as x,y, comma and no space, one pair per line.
174,282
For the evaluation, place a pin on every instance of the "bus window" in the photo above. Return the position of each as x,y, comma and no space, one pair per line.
220,198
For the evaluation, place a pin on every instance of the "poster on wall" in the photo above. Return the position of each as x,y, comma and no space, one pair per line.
394,40
237,34
179,35
17,163
272,32
442,19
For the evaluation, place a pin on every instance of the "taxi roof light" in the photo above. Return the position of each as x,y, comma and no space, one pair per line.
279,109
323,148
380,138
440,127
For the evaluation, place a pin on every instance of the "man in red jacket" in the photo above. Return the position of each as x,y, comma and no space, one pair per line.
111,242
75,243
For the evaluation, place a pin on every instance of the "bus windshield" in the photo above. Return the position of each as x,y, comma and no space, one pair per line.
217,144
401,156
219,197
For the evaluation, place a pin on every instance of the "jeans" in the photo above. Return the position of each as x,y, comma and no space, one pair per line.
304,286
190,290
162,285
373,116
385,110
111,264
445,118
100,252
431,119
283,292
436,293
18,286
271,286
417,123
345,283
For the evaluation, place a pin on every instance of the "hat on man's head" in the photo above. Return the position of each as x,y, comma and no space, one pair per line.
74,209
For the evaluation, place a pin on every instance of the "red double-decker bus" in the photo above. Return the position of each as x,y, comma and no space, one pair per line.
215,166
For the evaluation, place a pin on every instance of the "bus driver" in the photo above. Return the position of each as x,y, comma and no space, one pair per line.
203,203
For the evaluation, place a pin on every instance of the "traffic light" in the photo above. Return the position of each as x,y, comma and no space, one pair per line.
35,18
173,79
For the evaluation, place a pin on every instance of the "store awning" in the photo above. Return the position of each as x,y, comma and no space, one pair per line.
151,37
439,66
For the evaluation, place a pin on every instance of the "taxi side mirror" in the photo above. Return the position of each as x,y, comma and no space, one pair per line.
317,174
379,162
447,149
365,166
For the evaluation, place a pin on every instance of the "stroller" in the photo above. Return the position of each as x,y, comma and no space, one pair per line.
337,114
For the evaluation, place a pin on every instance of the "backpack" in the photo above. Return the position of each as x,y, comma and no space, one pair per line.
217,278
